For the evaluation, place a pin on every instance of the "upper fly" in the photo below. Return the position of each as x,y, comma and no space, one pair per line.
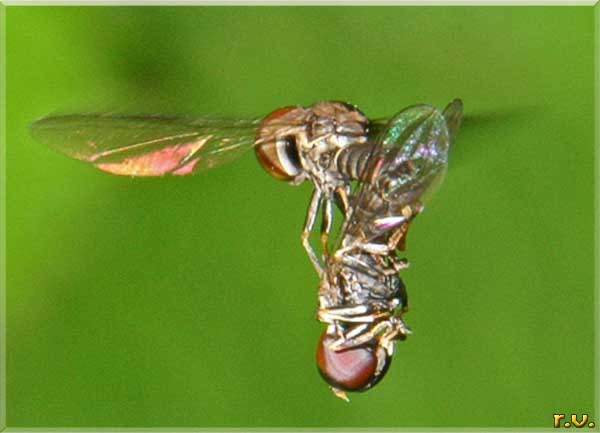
327,143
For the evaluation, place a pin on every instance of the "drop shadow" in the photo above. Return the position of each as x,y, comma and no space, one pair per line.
470,144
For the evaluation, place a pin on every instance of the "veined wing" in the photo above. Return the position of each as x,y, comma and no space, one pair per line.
408,161
146,145
452,113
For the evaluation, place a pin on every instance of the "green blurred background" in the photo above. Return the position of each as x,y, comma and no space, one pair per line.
190,302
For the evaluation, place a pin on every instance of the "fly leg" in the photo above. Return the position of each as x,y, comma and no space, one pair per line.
394,241
356,314
340,196
326,225
363,335
385,332
361,266
398,330
311,215
343,202
397,263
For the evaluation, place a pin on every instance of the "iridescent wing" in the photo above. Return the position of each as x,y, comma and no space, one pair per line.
146,145
452,113
408,161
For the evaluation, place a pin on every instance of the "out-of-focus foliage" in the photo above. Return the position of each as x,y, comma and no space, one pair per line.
190,302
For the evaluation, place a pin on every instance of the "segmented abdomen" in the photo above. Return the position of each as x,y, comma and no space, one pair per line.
352,160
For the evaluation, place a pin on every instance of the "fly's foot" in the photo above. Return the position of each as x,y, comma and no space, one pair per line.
399,263
340,394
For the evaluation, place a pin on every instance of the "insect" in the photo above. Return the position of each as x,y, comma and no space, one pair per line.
327,143
330,144
361,297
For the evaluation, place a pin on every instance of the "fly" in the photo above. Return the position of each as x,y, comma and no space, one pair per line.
326,143
361,297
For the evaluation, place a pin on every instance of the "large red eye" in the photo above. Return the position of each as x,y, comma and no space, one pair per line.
276,147
355,369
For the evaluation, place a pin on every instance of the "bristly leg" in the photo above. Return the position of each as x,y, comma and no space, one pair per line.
311,216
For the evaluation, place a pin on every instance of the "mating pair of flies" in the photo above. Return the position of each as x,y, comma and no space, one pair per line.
377,172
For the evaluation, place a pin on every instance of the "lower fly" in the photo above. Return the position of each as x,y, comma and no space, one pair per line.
361,297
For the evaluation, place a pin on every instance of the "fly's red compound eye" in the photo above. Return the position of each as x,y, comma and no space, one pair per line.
276,147
356,369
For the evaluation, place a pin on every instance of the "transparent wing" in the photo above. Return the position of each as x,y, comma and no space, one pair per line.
146,145
453,116
408,161
452,113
